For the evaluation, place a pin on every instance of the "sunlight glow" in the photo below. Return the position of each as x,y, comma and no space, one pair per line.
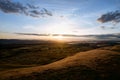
60,26
59,29
57,38
60,38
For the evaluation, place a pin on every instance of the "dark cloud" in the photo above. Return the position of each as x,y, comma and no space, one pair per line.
7,6
47,12
107,37
32,6
31,34
43,12
110,17
35,12
66,35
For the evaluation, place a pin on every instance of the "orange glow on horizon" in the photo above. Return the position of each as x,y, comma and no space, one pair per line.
57,38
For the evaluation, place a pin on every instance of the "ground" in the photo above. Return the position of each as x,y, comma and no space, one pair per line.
60,61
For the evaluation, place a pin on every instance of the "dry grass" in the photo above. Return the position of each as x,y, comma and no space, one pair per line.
90,65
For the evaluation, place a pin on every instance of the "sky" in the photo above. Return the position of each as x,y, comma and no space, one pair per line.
72,17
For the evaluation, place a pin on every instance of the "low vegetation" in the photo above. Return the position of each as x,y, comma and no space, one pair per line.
38,54
100,64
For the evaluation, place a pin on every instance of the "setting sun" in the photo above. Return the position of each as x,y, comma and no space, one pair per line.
56,37
59,37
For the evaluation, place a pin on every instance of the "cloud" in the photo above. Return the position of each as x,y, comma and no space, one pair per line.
47,12
100,37
107,37
110,17
32,6
32,34
35,34
7,6
97,37
43,12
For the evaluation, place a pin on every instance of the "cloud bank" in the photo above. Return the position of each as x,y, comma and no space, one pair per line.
115,36
8,6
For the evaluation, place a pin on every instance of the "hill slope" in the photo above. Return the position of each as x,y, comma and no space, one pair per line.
90,65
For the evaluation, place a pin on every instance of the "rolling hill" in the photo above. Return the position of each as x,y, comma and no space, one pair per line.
97,64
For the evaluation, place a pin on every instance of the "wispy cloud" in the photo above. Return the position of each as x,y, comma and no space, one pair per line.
32,34
8,6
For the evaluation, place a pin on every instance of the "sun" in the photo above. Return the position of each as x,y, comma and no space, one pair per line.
57,38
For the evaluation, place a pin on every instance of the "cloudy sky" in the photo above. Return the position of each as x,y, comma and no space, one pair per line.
73,17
